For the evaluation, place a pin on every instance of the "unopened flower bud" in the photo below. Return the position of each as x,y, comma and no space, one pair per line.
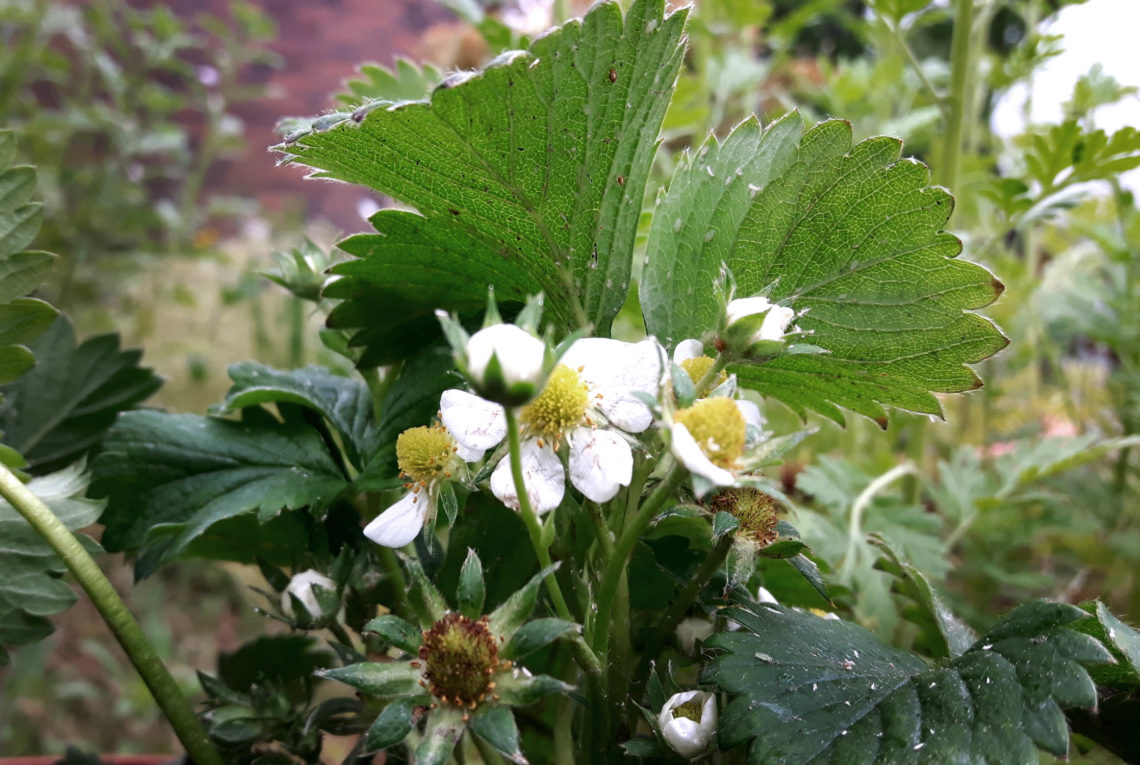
688,722
755,320
506,364
301,587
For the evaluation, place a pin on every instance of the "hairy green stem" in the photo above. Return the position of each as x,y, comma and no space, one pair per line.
582,653
114,612
859,506
958,101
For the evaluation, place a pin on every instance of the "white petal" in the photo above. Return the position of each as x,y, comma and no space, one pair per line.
689,738
400,523
613,369
775,323
301,586
474,423
543,476
600,463
520,353
764,596
467,454
742,307
686,450
688,349
751,413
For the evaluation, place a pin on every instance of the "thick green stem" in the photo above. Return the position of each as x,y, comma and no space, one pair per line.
961,60
561,11
623,550
582,653
111,607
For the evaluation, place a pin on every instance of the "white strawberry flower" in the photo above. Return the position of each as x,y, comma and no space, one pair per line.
588,403
688,722
427,457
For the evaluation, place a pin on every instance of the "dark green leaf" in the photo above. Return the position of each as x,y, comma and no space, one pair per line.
64,407
278,659
535,635
391,727
783,548
835,231
810,572
518,690
856,699
470,592
397,632
1121,639
496,726
190,472
540,160
344,402
31,586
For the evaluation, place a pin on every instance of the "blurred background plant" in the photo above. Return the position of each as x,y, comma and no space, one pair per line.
1028,489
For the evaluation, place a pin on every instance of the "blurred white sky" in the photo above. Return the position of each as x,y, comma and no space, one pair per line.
1100,31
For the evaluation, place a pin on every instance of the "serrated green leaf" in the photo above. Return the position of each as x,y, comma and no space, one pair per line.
63,408
346,403
540,160
836,232
276,659
22,272
470,592
397,632
31,587
406,82
188,472
1120,638
391,727
856,699
943,634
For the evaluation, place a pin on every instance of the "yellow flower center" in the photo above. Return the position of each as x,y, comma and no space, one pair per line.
460,655
754,510
424,453
699,366
560,406
690,710
718,427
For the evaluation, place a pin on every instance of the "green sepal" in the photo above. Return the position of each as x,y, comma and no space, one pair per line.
683,387
395,631
1121,639
783,548
277,578
444,728
508,617
470,591
448,503
723,523
390,728
496,725
534,635
515,689
219,691
426,598
383,680
740,563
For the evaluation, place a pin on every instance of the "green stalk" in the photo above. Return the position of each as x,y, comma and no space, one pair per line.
582,653
561,11
111,607
961,60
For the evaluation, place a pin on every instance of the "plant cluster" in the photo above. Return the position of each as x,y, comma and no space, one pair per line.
549,519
